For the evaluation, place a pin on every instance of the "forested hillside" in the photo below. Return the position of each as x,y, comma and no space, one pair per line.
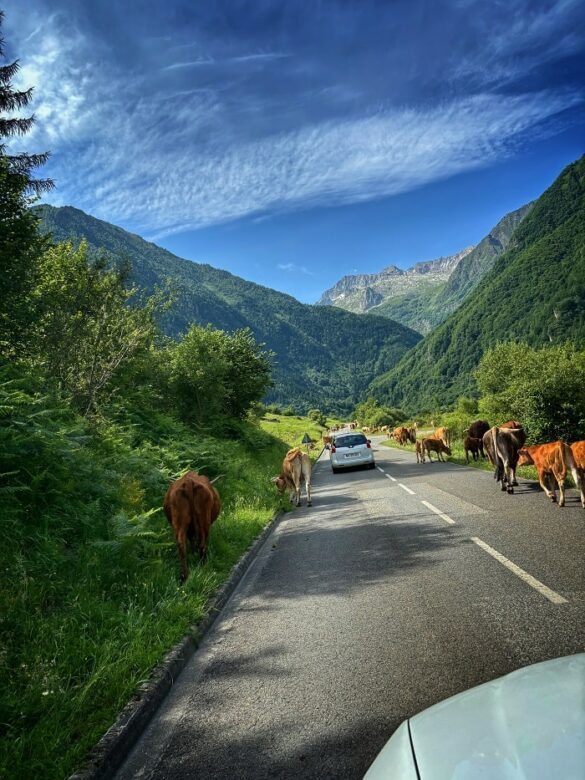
325,357
534,293
427,306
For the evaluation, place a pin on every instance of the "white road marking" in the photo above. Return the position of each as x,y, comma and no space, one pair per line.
442,515
528,578
390,477
408,490
380,470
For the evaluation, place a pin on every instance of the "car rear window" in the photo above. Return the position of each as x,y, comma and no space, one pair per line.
350,441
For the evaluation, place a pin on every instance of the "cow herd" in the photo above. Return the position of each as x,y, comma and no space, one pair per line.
505,447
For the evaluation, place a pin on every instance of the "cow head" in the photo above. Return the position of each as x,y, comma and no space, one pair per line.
445,449
524,457
280,483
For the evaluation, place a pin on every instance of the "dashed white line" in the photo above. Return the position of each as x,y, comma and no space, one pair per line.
380,470
408,490
391,477
528,578
442,515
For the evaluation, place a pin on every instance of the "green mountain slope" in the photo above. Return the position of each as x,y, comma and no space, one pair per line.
428,306
325,357
535,293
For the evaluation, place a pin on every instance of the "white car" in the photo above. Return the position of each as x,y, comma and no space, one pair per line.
351,449
528,725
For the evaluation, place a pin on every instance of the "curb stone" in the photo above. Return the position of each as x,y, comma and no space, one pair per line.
110,752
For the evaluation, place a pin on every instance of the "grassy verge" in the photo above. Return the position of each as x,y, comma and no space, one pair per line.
291,429
89,593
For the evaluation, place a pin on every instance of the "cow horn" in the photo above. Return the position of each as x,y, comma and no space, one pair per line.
220,476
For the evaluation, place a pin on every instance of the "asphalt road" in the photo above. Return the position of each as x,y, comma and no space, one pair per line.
365,609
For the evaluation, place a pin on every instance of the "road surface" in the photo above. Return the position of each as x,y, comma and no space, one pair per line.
399,587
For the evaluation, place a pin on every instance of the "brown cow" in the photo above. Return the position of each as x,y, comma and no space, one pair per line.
444,434
502,445
438,446
477,429
411,434
578,453
473,445
191,505
401,435
296,467
419,448
551,460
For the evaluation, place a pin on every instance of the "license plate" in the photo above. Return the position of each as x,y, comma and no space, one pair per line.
352,455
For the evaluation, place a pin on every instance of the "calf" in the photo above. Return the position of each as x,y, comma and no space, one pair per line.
191,505
473,445
438,446
296,467
502,446
551,461
419,448
578,453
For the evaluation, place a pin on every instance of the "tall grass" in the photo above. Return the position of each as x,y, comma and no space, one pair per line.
90,598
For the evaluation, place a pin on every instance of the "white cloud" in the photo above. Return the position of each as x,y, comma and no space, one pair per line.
293,268
166,160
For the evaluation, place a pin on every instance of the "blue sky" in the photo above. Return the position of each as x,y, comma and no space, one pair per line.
295,142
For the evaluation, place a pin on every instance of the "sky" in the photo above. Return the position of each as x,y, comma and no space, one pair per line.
294,142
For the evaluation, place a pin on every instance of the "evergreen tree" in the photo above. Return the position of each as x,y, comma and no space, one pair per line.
20,243
22,164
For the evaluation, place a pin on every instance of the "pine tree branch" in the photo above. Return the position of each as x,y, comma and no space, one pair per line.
17,126
10,100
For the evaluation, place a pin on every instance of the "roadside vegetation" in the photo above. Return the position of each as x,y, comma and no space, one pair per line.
99,411
291,429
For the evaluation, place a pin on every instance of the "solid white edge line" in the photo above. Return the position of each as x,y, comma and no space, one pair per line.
442,515
528,578
408,490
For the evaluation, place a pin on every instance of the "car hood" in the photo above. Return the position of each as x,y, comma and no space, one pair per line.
529,724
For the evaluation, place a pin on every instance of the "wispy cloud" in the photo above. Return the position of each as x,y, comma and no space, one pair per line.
164,149
293,268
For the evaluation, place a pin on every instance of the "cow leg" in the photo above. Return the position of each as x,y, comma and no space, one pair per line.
308,489
561,483
579,479
542,478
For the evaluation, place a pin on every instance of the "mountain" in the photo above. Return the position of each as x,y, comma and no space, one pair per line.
325,357
427,307
362,292
535,293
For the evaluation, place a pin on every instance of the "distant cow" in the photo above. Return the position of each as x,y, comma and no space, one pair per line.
551,461
444,434
419,448
401,435
578,452
477,429
436,445
473,445
296,468
191,505
411,434
502,445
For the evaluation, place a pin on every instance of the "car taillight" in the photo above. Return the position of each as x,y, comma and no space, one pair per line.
333,449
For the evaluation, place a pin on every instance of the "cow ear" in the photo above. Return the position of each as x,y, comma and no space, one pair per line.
274,479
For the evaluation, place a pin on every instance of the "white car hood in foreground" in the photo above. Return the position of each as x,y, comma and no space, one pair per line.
528,725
